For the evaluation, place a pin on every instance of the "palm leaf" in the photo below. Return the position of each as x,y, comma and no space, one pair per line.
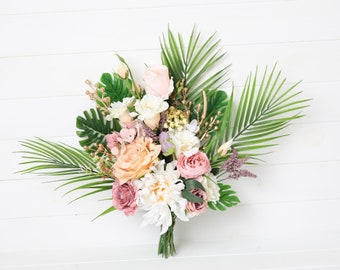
71,165
93,127
263,111
195,63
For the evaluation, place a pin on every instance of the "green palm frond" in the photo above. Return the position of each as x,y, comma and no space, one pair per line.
70,165
194,63
263,111
93,127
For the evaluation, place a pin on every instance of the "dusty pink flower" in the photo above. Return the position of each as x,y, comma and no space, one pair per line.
157,82
195,209
194,166
128,134
113,140
124,197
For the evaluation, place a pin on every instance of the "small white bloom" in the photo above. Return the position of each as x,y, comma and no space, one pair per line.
185,142
149,109
160,194
223,149
192,127
120,110
209,182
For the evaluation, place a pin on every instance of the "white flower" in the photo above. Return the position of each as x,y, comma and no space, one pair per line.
224,148
209,182
185,142
120,110
149,109
160,194
192,127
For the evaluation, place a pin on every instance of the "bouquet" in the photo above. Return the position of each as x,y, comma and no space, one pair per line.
168,147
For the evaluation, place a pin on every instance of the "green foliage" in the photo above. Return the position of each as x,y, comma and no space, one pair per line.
264,110
105,212
227,198
194,64
93,127
190,185
70,165
218,109
115,87
50,158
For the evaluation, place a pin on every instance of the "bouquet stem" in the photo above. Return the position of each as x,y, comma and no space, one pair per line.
166,246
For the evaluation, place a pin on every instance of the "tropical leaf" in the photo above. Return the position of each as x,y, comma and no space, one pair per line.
105,212
263,111
194,63
218,111
116,88
70,165
227,198
93,127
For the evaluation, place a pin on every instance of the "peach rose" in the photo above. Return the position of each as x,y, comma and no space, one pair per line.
157,82
135,159
194,166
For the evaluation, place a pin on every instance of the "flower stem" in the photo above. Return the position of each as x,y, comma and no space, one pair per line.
166,246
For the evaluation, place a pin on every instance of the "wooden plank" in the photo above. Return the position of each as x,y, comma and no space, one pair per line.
74,32
270,221
247,254
59,75
40,6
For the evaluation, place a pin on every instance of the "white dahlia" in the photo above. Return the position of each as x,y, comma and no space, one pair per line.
160,194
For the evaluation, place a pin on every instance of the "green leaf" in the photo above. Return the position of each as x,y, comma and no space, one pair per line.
196,64
115,87
70,165
93,127
264,110
186,194
107,211
193,184
227,198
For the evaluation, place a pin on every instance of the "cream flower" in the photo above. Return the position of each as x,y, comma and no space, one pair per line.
120,110
149,109
160,194
224,148
185,142
209,182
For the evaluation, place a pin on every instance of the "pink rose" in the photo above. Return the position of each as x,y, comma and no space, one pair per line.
195,209
194,166
124,197
157,82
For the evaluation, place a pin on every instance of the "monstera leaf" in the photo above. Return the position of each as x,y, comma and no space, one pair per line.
92,127
116,88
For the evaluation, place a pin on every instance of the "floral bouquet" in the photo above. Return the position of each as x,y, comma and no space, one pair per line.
168,148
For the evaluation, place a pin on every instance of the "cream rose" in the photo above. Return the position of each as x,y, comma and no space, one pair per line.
120,110
209,182
135,159
185,142
157,82
149,109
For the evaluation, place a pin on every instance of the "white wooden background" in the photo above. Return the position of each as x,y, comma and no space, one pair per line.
289,217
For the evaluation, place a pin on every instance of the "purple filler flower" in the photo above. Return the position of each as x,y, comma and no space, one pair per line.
167,146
